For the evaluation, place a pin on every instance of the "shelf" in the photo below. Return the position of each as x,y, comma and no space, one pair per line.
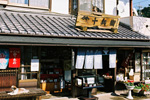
25,66
28,72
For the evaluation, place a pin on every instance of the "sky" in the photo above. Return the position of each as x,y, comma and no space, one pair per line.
142,3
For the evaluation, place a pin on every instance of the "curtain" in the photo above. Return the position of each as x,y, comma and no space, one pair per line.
98,60
89,59
80,59
112,59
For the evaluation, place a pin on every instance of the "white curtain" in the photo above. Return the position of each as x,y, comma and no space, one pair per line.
89,59
98,60
112,59
80,59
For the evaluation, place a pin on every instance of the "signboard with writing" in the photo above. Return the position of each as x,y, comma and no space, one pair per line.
14,59
34,64
100,20
4,58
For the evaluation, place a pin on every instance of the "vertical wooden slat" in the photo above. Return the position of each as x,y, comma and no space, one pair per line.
38,73
70,6
104,6
72,73
141,66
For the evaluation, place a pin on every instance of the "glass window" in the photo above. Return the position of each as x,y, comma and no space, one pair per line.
85,5
97,5
39,3
19,1
32,3
88,5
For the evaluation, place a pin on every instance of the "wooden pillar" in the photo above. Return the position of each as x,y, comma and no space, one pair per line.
141,67
73,73
38,73
104,6
117,9
131,7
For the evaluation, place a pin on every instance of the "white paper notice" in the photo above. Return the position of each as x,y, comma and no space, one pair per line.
80,59
98,60
79,81
34,64
90,80
112,59
89,59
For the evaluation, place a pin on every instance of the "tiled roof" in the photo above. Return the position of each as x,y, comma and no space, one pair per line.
40,24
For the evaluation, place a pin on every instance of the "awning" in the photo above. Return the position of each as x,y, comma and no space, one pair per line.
40,41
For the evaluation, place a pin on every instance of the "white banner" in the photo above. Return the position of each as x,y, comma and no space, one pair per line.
34,64
98,64
80,59
89,59
112,59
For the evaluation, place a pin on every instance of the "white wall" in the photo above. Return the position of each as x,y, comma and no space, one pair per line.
124,8
110,7
60,6
140,23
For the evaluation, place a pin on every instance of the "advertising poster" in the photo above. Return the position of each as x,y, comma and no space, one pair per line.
14,58
4,58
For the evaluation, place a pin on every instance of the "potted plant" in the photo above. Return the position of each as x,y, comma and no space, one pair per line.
145,89
130,86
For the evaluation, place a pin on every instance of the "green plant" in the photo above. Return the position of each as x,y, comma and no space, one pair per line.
137,87
144,87
130,83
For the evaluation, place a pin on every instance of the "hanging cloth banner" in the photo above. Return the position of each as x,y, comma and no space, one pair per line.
14,59
98,60
112,59
4,58
80,58
89,59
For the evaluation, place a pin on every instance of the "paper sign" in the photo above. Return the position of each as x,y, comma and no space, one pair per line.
34,64
4,58
90,80
14,58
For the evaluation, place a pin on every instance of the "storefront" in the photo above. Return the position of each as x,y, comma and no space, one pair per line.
50,53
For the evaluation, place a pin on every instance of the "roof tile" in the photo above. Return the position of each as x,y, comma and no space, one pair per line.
58,26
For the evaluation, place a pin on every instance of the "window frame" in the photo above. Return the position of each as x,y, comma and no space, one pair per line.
78,9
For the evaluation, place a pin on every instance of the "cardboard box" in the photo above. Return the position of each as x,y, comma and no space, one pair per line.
135,77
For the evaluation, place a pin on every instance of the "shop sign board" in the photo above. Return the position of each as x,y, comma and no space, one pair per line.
100,20
34,64
14,58
4,58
